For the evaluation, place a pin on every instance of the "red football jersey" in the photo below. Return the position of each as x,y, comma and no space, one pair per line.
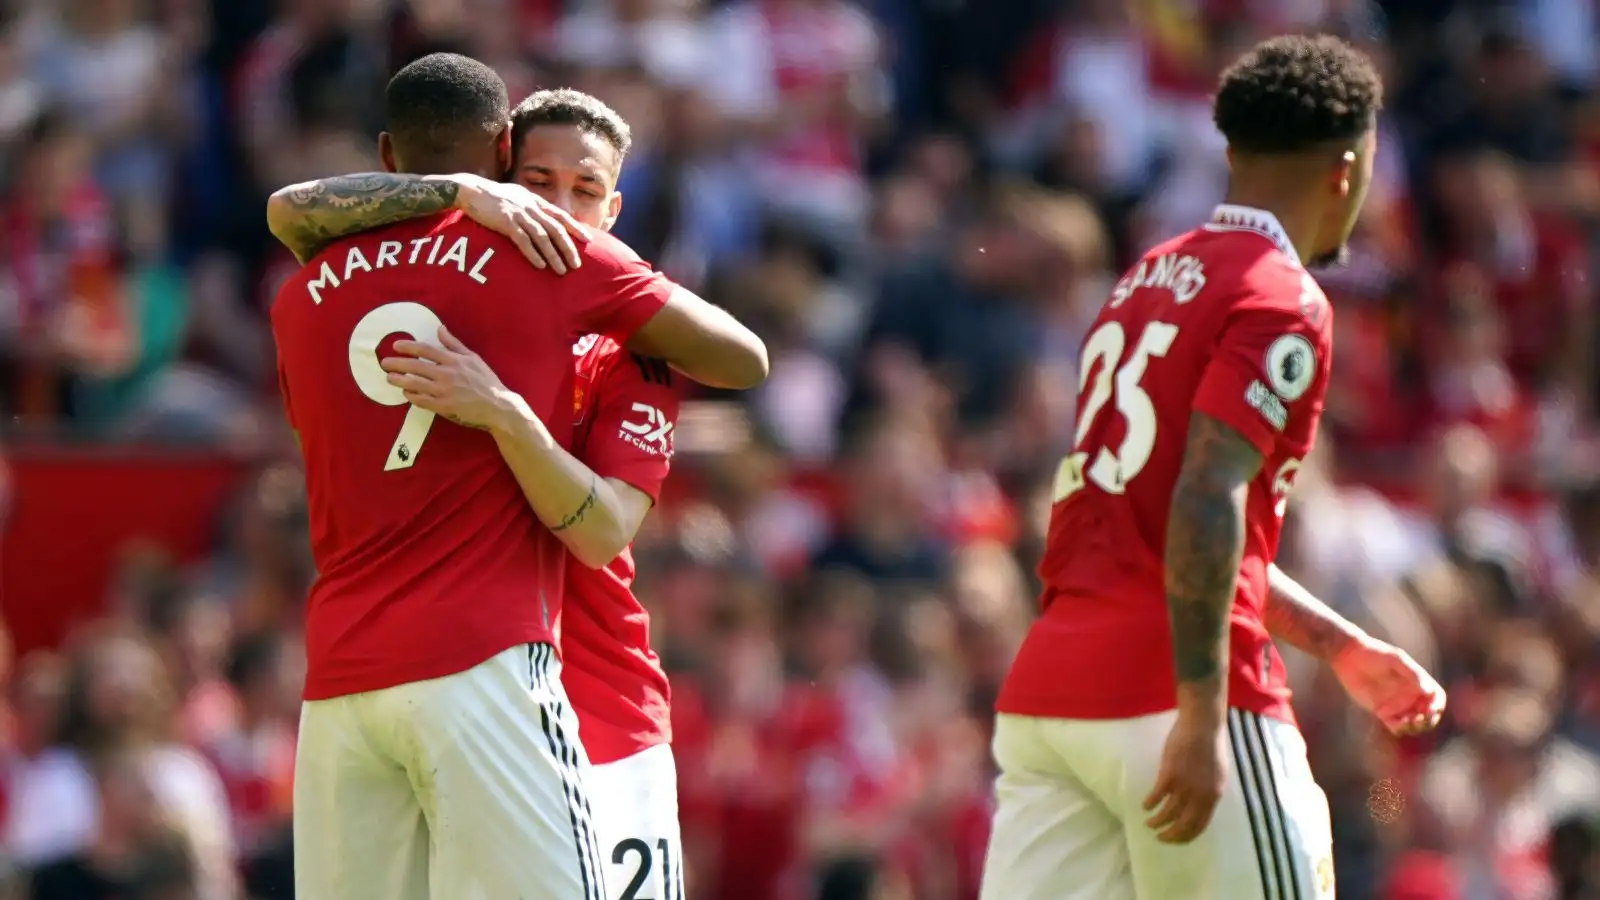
625,409
429,560
1225,321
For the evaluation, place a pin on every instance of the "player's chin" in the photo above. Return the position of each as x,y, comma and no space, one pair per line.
1332,259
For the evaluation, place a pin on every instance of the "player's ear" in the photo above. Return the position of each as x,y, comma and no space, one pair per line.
613,210
502,151
1342,173
386,152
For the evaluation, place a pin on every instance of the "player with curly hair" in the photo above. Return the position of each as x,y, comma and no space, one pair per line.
1146,745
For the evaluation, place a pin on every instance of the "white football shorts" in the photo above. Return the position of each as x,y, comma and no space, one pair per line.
1069,822
635,803
466,787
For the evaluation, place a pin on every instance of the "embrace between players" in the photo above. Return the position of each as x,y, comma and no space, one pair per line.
439,753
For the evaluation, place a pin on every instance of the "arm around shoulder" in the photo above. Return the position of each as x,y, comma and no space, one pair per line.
309,216
704,342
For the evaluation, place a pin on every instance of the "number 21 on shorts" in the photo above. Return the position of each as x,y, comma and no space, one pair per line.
1104,379
642,876
418,323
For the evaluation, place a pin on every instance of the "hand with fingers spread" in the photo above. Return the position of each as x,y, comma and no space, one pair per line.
545,233
451,380
1385,681
1194,768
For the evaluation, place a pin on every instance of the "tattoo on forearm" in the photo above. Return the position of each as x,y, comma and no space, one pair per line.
582,510
326,210
1205,540
1299,619
465,424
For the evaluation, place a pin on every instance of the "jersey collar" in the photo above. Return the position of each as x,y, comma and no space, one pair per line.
1229,217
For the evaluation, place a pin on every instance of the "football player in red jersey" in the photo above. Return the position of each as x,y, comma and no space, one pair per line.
568,149
1145,741
437,749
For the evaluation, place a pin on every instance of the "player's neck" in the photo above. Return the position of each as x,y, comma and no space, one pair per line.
1299,219
446,166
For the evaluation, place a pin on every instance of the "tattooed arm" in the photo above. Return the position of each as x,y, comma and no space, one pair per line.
308,217
1302,621
1205,542
1205,537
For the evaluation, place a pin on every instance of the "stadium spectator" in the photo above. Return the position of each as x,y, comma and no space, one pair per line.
133,853
116,712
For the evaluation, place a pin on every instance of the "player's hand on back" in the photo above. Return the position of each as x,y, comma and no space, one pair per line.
1385,681
545,233
452,381
1194,768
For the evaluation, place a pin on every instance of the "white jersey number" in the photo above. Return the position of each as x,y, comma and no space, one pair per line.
418,323
1112,470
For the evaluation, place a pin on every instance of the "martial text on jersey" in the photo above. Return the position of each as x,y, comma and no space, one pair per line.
388,254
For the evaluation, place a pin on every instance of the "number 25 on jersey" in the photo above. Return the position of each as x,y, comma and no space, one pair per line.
1105,376
418,323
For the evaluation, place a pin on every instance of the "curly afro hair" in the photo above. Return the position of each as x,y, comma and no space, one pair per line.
1295,93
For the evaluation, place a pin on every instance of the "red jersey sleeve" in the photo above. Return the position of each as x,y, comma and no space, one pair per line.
634,407
614,292
1269,369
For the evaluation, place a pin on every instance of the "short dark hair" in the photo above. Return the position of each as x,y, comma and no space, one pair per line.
1295,93
565,106
441,101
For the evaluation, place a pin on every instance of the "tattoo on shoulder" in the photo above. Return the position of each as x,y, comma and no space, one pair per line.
1205,541
326,210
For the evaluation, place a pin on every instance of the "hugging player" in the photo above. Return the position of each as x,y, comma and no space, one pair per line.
568,149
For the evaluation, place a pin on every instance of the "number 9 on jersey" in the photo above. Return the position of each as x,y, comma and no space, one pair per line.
418,323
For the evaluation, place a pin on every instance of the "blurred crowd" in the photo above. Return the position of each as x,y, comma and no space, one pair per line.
920,205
